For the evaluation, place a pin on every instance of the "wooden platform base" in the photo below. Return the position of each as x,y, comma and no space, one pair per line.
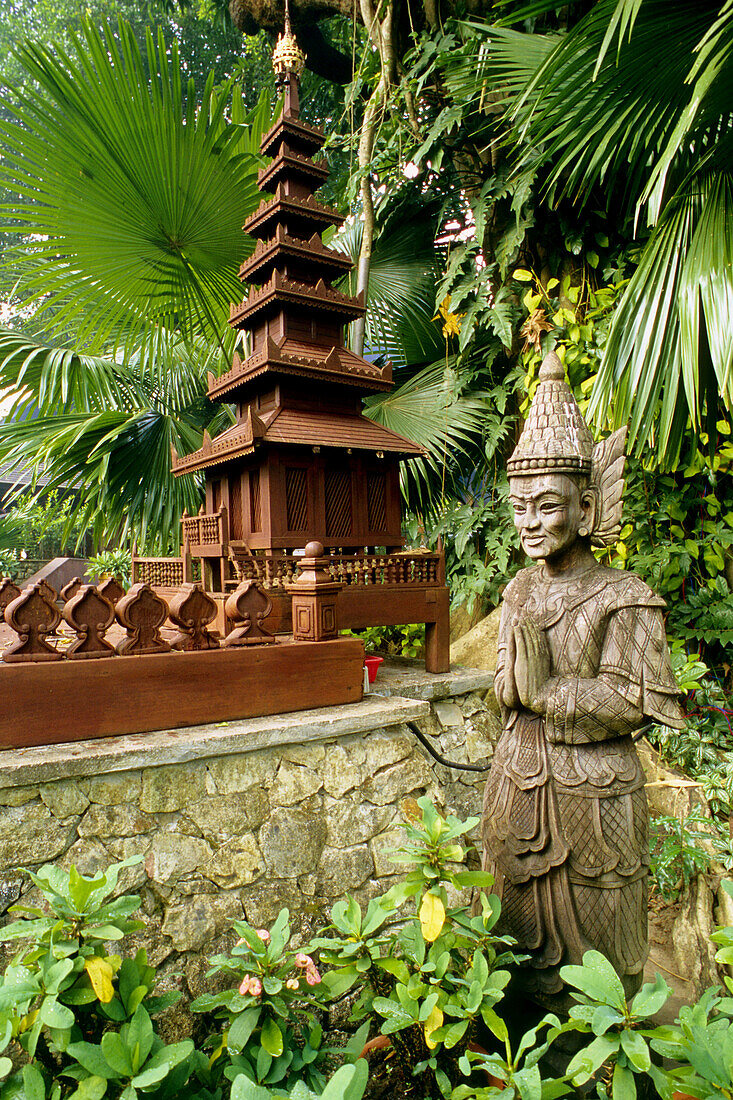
49,703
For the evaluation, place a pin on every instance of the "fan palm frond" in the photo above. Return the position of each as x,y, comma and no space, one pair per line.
131,198
432,409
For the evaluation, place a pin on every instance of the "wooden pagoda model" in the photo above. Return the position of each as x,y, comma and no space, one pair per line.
302,463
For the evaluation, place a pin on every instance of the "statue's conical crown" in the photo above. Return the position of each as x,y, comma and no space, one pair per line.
555,437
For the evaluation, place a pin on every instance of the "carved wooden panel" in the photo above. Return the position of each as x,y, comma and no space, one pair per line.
377,501
338,503
111,590
192,610
32,615
254,496
90,615
142,612
296,497
250,606
8,593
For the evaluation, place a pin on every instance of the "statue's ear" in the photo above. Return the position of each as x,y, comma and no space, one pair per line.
590,504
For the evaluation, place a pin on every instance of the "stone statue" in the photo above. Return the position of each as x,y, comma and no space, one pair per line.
582,663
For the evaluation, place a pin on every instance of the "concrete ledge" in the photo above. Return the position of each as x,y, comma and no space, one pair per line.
408,679
44,764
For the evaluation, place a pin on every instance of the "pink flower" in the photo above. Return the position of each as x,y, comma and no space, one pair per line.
264,935
312,976
292,983
244,987
303,961
255,987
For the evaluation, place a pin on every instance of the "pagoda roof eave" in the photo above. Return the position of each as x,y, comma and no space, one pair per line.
282,206
300,359
292,127
291,427
282,292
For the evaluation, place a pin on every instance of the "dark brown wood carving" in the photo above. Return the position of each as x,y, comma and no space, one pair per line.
192,610
112,590
250,606
70,590
142,612
8,593
32,615
90,615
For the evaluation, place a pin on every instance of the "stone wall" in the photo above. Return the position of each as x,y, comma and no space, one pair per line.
240,819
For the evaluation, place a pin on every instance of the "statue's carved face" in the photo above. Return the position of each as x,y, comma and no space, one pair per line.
549,510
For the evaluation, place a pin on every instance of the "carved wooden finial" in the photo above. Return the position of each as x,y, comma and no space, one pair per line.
249,605
111,590
71,588
32,615
142,612
90,615
192,610
8,592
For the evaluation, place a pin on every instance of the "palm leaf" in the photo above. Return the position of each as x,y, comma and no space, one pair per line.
132,198
116,450
432,409
401,295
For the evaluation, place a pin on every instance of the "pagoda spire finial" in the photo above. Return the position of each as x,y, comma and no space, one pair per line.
288,61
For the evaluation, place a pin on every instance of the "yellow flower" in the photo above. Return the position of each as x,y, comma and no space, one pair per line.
452,321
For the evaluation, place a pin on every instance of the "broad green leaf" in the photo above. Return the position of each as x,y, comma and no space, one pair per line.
35,1086
585,1063
624,1085
92,1058
241,1029
117,1053
272,1038
597,979
636,1050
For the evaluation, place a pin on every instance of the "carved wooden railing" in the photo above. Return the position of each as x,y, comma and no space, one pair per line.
33,616
158,572
206,529
361,569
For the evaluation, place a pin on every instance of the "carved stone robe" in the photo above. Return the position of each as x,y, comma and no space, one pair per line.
565,814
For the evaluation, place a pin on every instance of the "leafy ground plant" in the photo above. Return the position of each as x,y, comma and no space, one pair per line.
677,856
619,1049
431,971
348,1083
78,1017
266,1028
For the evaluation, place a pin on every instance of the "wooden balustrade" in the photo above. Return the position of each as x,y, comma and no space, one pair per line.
90,612
361,570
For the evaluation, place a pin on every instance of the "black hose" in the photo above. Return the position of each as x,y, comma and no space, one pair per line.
441,759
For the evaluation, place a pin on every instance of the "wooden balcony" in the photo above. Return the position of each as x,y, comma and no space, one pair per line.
206,535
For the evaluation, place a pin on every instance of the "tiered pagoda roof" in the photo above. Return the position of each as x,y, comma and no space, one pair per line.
293,316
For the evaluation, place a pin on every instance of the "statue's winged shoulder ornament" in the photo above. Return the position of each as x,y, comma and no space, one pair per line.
607,476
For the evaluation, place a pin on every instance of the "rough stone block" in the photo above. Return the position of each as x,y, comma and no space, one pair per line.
219,819
390,784
30,834
294,784
17,796
383,748
292,841
264,899
340,772
193,924
64,799
448,713
342,870
238,773
172,787
383,846
309,756
88,856
124,819
172,855
354,822
114,788
236,863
